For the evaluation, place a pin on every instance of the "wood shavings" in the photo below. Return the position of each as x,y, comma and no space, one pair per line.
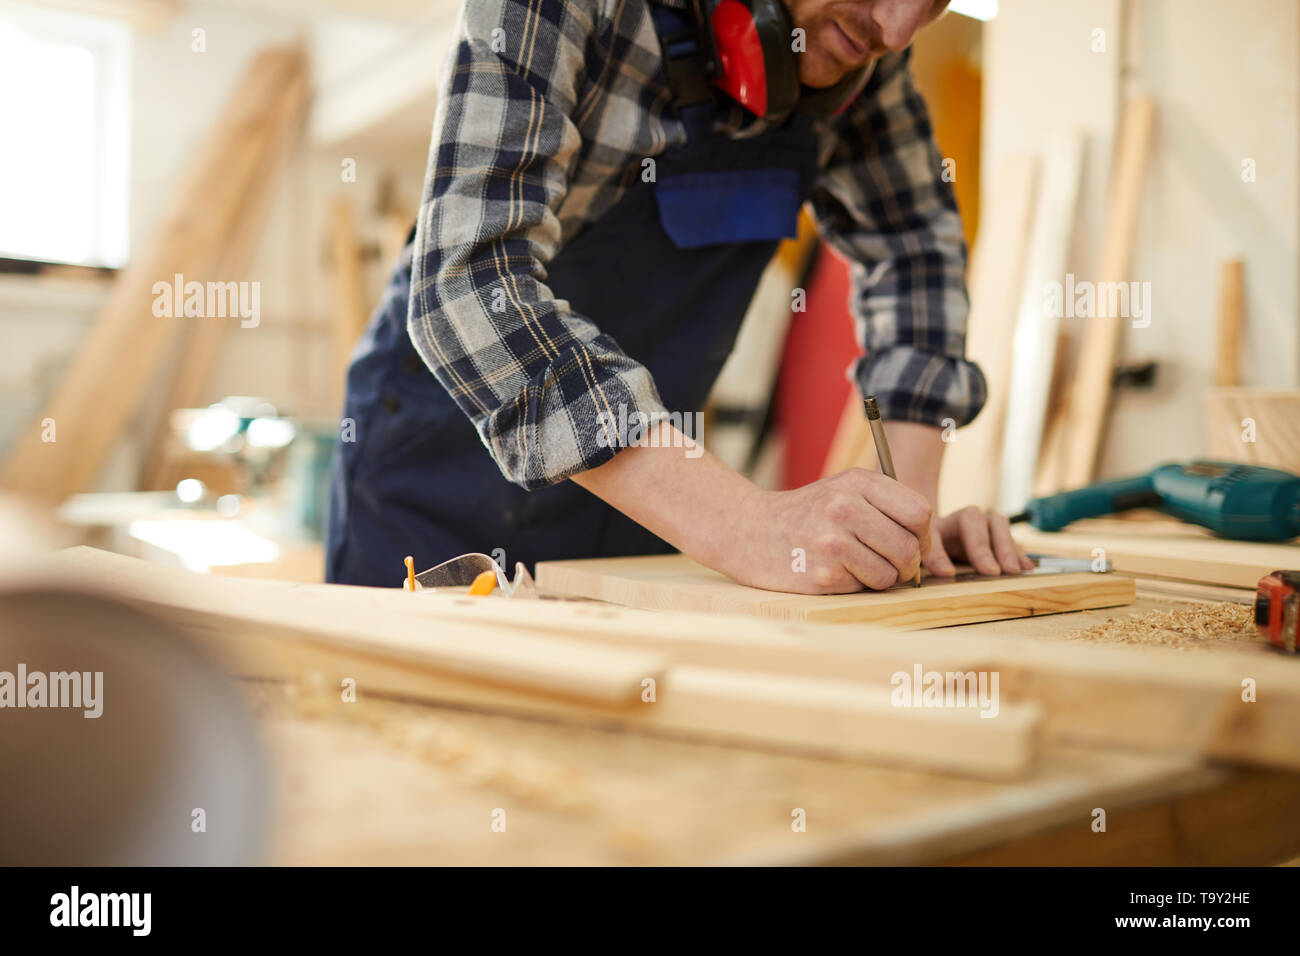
1185,628
526,778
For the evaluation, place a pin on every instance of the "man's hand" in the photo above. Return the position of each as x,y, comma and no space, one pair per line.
854,530
980,539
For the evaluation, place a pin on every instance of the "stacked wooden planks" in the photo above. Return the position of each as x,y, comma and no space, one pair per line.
775,685
555,661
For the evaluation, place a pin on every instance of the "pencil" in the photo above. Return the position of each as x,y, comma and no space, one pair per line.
882,449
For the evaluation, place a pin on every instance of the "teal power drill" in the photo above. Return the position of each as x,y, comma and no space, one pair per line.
1242,502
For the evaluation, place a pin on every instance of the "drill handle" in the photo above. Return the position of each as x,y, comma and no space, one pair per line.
1108,497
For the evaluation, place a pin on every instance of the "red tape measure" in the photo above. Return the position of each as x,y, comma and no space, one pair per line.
1277,608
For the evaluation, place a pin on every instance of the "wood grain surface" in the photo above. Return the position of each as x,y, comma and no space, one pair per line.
384,782
674,582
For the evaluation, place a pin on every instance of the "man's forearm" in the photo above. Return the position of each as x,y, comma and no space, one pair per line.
681,499
684,500
917,451
832,536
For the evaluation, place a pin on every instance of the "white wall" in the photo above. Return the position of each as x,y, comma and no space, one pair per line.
1227,82
1226,79
1041,78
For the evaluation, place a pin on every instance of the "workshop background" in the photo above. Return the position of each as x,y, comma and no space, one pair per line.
280,146
1031,85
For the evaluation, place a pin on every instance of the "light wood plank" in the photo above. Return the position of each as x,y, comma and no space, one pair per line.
1166,549
1089,400
257,618
1254,425
674,582
846,719
1156,700
1036,328
1186,591
972,460
1227,359
1141,698
271,629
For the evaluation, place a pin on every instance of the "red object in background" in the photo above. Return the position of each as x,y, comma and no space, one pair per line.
813,385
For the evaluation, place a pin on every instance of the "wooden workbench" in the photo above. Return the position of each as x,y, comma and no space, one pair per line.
392,782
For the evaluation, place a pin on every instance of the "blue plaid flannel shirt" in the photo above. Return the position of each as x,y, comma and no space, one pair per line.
547,109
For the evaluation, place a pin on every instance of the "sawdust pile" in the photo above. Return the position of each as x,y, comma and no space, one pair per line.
1185,628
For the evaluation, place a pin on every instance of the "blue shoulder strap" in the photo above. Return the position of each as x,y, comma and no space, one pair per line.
686,67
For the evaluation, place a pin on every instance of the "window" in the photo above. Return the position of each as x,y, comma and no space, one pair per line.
65,153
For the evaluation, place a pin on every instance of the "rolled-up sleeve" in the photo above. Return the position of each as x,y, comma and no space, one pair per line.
884,204
540,382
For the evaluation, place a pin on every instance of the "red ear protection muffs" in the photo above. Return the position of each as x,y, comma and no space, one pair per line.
750,42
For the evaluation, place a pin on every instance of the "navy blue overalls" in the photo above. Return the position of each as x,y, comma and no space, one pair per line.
668,272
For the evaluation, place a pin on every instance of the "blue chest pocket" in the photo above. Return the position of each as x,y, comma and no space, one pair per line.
716,207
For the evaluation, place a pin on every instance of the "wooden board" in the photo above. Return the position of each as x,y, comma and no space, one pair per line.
1036,329
1165,549
842,720
969,476
1227,360
253,622
674,582
1089,398
1150,699
1120,696
1162,589
274,629
855,720
1270,416
390,783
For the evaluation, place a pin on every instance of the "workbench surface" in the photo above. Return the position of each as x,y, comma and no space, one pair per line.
390,782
